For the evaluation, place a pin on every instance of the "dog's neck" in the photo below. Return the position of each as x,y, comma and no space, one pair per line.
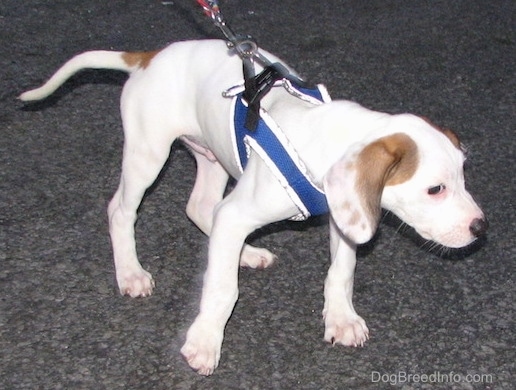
338,125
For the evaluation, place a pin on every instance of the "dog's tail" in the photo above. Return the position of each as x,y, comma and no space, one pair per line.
99,59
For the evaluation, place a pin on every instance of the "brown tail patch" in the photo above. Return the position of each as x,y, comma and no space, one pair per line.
140,59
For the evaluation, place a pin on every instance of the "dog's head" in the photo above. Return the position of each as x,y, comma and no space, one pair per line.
414,170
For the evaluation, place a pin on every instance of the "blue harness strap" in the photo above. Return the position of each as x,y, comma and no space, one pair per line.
271,144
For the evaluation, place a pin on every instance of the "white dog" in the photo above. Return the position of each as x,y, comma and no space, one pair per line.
359,160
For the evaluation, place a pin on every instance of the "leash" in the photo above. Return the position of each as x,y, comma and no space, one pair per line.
255,86
244,45
253,128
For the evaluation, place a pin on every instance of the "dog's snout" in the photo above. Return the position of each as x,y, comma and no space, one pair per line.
478,226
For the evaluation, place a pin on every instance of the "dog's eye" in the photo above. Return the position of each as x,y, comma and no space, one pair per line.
436,190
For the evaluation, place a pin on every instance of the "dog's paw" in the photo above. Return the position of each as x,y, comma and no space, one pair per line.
202,349
136,283
256,257
347,331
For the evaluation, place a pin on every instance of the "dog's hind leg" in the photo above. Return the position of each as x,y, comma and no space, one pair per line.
142,161
210,183
208,191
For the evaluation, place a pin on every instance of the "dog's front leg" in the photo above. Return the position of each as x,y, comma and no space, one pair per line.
343,324
220,289
258,199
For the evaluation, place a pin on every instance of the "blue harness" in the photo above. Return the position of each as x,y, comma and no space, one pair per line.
271,144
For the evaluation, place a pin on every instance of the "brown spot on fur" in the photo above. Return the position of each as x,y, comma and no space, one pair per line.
346,206
140,59
454,138
390,160
354,219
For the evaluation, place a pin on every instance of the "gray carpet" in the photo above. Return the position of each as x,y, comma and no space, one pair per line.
63,324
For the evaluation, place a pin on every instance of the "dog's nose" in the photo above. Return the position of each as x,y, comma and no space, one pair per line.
478,226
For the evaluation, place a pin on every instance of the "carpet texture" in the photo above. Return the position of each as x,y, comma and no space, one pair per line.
63,324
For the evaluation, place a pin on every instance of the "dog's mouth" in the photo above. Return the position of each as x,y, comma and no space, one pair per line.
446,250
453,239
459,236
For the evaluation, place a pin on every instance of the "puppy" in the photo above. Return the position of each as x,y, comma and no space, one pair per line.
359,160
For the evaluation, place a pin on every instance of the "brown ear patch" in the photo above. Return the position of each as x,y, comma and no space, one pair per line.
389,160
452,136
140,59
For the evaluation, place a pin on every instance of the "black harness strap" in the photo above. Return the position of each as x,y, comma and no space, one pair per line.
256,87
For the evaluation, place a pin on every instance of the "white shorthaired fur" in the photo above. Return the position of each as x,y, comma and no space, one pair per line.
363,160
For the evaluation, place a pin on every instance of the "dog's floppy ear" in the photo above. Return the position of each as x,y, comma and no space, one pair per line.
355,183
